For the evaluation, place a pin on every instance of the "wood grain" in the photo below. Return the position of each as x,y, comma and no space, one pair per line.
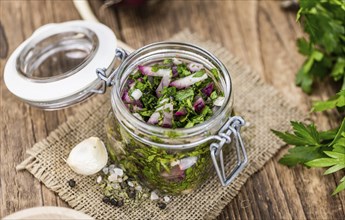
258,32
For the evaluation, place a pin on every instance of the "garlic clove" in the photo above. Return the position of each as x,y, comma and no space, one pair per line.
88,157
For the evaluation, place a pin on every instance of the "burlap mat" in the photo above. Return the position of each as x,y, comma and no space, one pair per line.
257,102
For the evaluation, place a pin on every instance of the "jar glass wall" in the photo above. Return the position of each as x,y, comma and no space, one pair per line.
171,160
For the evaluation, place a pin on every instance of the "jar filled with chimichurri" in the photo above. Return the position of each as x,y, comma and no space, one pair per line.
171,101
172,105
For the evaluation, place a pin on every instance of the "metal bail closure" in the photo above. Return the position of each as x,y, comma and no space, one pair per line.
55,67
120,54
231,128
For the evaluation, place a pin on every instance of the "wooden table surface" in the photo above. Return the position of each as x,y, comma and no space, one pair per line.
258,32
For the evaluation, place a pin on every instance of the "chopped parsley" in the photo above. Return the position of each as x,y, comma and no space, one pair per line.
173,95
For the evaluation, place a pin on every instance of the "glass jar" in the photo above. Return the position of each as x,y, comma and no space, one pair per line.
171,160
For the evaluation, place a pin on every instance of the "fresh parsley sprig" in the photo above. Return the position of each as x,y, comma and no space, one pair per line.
315,149
324,21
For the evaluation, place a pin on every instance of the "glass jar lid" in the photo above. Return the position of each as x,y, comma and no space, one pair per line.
56,66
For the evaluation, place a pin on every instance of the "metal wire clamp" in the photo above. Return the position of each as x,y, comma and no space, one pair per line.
231,128
120,54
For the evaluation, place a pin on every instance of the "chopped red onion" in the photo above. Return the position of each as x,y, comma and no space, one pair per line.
187,162
147,70
166,125
131,86
181,112
125,97
164,83
175,174
176,61
130,81
208,89
187,81
154,118
219,101
194,67
138,103
174,71
168,115
128,101
136,108
215,108
198,105
136,94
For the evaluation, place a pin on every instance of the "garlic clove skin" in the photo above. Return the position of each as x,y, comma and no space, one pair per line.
88,157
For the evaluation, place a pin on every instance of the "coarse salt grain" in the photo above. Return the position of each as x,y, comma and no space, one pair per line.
105,170
112,178
118,171
99,179
166,199
130,183
154,196
115,185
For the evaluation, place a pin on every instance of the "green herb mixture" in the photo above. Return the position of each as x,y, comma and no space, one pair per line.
173,93
169,171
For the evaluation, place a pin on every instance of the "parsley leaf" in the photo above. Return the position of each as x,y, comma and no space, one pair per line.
167,61
303,135
215,73
183,70
141,86
168,91
149,100
315,149
189,124
300,155
199,73
214,95
336,101
184,94
340,187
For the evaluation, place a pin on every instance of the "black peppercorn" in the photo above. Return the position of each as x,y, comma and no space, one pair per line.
123,185
113,202
71,183
106,199
131,194
162,205
120,203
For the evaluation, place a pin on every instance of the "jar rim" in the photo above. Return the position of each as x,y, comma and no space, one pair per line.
160,131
